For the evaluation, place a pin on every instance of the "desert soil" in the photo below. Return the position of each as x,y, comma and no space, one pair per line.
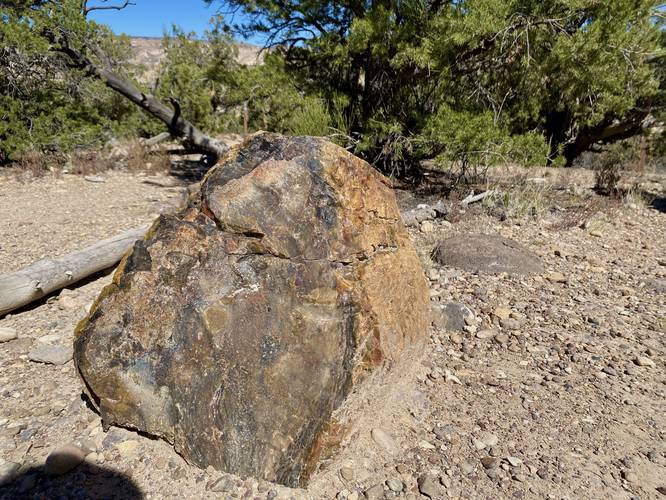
555,387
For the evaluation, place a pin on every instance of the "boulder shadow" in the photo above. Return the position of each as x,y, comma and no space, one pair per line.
85,481
659,204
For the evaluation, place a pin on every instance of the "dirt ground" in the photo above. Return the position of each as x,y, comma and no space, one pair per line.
564,398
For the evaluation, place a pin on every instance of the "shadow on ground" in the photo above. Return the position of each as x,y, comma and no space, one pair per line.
189,170
659,203
86,481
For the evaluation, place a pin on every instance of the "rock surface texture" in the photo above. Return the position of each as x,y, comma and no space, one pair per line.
486,253
237,327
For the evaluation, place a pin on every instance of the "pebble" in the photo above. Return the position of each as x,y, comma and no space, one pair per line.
7,334
426,445
94,178
427,227
428,486
384,440
375,492
629,476
394,484
556,277
467,467
501,338
67,302
510,324
63,459
347,473
489,440
51,354
515,462
221,485
485,334
127,448
489,462
8,472
502,312
644,361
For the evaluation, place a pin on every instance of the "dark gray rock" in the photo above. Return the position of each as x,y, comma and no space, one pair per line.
451,316
486,253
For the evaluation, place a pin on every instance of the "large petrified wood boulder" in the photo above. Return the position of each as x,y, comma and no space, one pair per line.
237,327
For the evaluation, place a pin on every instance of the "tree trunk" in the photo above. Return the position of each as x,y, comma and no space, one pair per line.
48,275
178,126
608,131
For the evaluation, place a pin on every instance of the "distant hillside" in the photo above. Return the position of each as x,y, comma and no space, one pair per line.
149,52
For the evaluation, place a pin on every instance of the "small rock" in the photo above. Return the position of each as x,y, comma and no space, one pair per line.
375,492
608,370
502,312
221,485
510,324
94,178
452,317
501,338
479,445
427,227
127,448
394,484
428,486
556,277
515,462
467,467
51,354
7,334
8,472
347,473
644,361
426,445
384,440
661,489
488,439
489,462
629,476
66,302
63,459
485,334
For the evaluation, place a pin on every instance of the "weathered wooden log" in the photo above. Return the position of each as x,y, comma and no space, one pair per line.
48,275
472,198
153,141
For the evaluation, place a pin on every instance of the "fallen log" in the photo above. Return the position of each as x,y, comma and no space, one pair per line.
153,141
48,275
472,198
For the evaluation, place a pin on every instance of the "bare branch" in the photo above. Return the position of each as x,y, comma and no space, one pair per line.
89,8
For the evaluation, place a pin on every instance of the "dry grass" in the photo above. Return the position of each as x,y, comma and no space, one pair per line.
131,157
520,200
88,162
142,159
35,165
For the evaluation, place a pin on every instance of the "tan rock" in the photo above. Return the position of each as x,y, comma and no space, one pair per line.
502,312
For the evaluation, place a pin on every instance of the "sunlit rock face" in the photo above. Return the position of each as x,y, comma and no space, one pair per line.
239,325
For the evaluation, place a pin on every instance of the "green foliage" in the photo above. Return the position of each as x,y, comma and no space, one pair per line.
471,80
44,105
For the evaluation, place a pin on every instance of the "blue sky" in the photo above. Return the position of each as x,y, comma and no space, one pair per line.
152,17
